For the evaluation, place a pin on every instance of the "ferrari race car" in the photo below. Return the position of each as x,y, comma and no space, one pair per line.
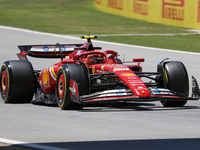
88,74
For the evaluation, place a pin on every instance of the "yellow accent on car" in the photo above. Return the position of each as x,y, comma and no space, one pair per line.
93,69
88,37
166,77
45,77
128,74
54,74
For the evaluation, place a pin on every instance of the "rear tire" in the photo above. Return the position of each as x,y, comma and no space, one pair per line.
71,73
176,80
17,81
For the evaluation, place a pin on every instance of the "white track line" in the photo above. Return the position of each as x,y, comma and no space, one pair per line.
30,145
111,43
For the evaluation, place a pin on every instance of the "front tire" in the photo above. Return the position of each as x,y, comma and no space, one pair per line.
71,74
176,79
17,81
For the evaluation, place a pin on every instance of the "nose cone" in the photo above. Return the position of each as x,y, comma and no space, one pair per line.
135,84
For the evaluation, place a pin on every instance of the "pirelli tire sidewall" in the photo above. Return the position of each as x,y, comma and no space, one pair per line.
65,101
6,95
176,77
20,81
78,74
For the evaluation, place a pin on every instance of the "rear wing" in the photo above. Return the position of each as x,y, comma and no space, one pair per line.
48,51
55,50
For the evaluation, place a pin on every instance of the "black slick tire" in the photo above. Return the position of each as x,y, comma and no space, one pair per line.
17,81
176,78
66,73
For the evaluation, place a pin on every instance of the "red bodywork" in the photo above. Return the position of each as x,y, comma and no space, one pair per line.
47,77
97,62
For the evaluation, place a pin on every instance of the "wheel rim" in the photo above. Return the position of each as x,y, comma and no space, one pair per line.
4,82
61,87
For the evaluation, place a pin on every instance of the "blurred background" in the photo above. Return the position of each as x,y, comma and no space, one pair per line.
111,20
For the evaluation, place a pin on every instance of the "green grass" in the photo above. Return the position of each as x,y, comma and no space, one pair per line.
72,17
178,42
81,17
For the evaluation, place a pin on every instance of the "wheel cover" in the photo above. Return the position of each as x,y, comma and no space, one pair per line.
61,87
4,82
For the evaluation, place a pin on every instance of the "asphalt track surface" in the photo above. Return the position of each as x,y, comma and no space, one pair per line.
131,127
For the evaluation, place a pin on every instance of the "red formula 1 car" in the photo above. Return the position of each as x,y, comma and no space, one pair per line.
88,74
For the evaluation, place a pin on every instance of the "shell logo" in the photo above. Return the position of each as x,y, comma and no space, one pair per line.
128,74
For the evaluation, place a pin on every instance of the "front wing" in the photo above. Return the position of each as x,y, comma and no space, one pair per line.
101,98
157,94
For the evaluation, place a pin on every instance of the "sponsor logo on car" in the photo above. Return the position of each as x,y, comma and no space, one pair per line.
45,78
119,92
46,48
140,87
128,74
93,69
63,48
120,69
